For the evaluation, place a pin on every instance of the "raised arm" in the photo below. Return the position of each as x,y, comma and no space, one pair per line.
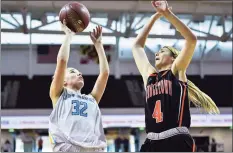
142,62
62,60
181,63
101,82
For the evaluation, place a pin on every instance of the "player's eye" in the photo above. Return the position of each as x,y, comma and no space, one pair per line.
72,71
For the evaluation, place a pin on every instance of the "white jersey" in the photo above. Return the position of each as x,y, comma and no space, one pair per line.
76,119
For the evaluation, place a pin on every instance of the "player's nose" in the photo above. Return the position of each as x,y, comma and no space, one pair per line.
80,75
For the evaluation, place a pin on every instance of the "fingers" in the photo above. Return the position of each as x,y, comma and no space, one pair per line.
98,31
72,33
64,22
90,34
94,33
92,37
153,3
156,3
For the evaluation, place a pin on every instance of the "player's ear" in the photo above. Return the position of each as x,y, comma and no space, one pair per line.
173,58
65,83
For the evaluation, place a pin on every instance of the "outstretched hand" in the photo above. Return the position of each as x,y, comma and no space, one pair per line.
161,6
67,31
96,35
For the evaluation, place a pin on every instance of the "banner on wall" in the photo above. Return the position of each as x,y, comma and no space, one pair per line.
41,122
47,54
89,53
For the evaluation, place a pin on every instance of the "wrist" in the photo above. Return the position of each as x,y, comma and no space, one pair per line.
98,43
167,13
68,36
157,15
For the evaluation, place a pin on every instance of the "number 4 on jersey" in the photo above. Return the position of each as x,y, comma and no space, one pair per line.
157,114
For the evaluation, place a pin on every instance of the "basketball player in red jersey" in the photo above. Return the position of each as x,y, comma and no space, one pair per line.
168,91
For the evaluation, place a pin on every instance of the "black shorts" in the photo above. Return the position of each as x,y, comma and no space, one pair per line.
177,143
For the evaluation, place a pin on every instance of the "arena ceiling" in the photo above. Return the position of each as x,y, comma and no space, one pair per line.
210,20
209,7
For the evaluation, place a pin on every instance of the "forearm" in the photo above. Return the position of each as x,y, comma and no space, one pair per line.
103,62
180,26
64,50
142,36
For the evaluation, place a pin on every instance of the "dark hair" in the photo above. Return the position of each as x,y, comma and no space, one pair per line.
7,142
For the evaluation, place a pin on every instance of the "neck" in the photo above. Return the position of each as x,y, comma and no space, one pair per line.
163,68
75,89
78,91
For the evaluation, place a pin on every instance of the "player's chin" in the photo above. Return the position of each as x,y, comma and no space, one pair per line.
157,63
80,83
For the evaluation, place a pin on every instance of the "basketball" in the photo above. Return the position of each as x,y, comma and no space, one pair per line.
76,15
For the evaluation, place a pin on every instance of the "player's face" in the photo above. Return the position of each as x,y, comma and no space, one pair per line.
74,78
163,58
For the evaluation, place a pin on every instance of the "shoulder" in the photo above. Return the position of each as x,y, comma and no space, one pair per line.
62,96
149,77
179,75
89,97
65,94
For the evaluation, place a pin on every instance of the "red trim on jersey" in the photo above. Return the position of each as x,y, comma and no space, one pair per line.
182,105
153,74
181,94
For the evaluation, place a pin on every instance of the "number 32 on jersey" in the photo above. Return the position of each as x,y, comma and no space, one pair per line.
157,114
79,108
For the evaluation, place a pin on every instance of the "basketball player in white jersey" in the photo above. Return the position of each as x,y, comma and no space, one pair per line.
75,123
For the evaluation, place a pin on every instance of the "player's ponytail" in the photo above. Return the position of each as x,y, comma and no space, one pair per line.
200,99
196,96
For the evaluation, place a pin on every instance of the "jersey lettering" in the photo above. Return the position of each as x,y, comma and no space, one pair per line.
158,88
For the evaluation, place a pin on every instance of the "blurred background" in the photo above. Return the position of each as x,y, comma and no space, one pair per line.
30,40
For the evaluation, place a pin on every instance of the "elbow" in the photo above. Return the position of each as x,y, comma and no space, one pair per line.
62,60
106,72
104,75
193,40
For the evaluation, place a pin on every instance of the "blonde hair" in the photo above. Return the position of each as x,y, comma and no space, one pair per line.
70,69
195,95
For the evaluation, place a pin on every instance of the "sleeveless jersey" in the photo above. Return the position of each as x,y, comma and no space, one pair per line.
167,104
76,119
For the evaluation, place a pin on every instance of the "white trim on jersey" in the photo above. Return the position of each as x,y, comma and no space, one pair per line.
181,95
